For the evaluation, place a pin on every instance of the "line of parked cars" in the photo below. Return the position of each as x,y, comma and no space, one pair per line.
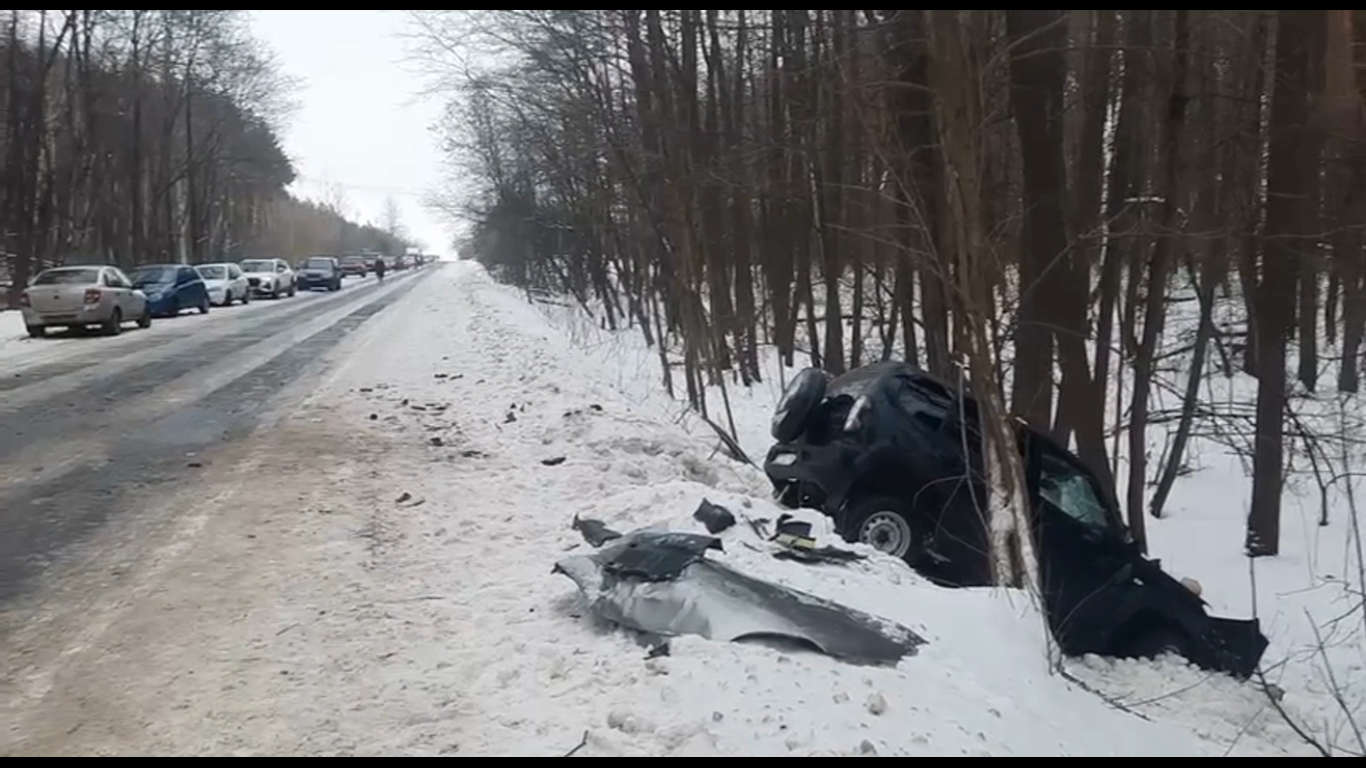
107,298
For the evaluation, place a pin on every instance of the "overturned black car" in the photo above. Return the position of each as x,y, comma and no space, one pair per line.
892,454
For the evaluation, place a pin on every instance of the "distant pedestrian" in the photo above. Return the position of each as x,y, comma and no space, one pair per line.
380,266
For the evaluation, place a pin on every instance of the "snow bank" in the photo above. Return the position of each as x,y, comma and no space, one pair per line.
505,432
1308,598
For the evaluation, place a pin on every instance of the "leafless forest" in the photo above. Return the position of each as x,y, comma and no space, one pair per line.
149,136
1050,201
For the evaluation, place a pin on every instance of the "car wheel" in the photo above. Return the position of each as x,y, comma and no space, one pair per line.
883,523
246,297
146,320
204,306
1153,642
114,325
36,331
803,394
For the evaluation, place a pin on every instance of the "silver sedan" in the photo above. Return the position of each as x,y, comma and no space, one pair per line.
78,297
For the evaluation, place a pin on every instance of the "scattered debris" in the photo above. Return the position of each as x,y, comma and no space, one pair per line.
405,497
795,542
715,517
437,442
595,532
555,462
661,582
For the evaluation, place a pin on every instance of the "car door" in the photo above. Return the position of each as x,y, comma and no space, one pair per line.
120,291
237,282
1081,542
135,302
112,295
184,287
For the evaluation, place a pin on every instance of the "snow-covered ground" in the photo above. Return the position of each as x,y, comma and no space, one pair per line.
495,391
1309,598
395,596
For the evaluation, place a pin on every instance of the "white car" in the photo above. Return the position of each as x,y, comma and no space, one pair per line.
226,283
269,277
77,297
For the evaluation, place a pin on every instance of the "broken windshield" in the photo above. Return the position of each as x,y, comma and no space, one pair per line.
1071,491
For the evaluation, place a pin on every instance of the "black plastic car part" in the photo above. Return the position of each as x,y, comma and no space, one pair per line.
803,394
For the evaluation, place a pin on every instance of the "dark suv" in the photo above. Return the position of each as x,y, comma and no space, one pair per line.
320,272
893,455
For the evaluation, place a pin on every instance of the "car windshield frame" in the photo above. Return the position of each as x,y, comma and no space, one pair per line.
212,271
165,275
92,272
257,266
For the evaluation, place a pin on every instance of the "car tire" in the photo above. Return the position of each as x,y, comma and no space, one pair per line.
246,297
36,331
146,320
204,306
884,523
803,394
114,325
1154,642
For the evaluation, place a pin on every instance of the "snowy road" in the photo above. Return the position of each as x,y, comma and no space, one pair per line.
92,429
367,571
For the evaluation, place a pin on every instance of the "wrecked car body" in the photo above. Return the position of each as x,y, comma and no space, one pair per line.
661,583
892,455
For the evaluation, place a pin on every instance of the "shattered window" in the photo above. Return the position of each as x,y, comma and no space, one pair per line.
1072,492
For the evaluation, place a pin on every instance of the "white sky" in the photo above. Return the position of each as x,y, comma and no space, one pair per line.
360,124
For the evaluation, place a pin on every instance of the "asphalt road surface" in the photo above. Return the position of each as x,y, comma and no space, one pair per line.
93,429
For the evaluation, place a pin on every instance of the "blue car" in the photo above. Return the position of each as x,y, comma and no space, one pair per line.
172,288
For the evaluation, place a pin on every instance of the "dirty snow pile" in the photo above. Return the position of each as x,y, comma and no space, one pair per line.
505,433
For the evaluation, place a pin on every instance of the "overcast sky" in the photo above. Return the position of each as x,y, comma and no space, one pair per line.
359,125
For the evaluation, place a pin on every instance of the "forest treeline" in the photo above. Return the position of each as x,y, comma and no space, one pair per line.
149,136
1024,196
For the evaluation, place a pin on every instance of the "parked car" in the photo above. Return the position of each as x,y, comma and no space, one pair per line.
226,283
355,266
400,263
320,272
269,277
79,297
893,456
172,288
